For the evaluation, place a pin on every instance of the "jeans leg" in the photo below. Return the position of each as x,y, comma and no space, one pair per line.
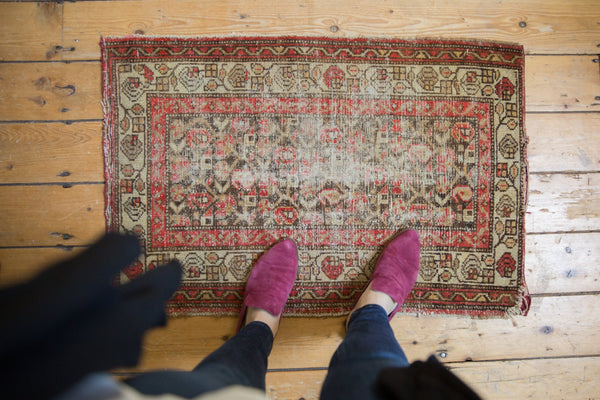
242,360
369,346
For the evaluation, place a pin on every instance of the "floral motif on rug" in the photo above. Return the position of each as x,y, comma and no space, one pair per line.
216,148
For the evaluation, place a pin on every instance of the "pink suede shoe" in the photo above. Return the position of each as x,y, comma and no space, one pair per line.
271,280
397,268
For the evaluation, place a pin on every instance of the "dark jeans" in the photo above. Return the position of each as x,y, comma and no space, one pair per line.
368,347
242,360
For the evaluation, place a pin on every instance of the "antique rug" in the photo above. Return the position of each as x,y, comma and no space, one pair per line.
215,148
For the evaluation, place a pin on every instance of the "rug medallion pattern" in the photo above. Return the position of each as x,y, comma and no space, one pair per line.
217,148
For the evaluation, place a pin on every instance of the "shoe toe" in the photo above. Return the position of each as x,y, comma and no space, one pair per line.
398,266
272,278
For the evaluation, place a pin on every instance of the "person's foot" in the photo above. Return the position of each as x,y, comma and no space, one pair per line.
370,296
395,274
258,314
269,285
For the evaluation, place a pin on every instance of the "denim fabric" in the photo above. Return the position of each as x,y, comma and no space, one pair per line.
242,360
369,346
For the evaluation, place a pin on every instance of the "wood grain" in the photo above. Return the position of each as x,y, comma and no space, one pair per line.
31,31
51,152
53,213
21,264
549,83
286,385
563,263
50,91
561,202
571,378
548,27
563,142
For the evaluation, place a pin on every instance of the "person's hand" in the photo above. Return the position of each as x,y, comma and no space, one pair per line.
72,320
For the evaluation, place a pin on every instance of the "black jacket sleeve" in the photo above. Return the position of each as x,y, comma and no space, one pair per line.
72,320
428,380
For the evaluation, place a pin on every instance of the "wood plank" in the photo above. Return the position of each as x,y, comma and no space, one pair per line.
556,327
563,202
60,91
31,31
295,384
570,378
563,263
50,91
21,264
550,27
47,214
563,142
51,152
551,83
557,203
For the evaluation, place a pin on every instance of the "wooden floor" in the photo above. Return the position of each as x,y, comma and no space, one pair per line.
51,174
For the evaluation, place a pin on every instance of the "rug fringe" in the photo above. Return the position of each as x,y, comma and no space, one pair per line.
362,38
107,129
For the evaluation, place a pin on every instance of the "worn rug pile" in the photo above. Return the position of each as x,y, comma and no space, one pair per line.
216,148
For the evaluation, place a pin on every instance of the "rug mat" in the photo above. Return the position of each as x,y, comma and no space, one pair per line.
216,148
